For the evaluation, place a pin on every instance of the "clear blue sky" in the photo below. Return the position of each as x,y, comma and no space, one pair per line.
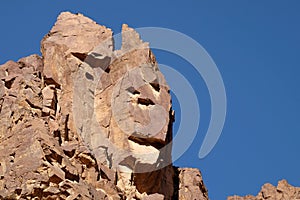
256,46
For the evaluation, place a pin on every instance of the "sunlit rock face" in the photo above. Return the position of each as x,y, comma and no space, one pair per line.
282,191
86,121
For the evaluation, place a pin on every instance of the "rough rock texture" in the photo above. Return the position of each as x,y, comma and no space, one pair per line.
283,191
85,121
191,185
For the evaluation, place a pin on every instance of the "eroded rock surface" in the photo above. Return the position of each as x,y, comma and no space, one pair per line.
283,191
86,121
191,185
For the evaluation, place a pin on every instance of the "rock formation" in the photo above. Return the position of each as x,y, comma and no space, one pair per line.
283,191
86,121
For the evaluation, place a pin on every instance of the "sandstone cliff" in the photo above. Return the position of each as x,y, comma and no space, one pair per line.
86,121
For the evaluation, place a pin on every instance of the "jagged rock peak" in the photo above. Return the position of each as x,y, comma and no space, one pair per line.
268,191
131,39
85,121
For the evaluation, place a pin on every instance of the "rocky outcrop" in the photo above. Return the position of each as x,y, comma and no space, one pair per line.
281,192
191,185
86,121
39,158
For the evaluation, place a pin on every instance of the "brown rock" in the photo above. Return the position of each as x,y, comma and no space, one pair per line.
191,185
268,191
34,61
86,121
154,197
